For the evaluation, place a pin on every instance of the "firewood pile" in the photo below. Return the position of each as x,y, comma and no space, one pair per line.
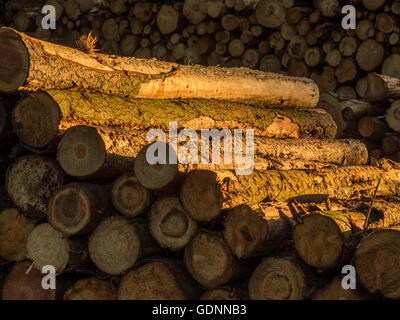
79,194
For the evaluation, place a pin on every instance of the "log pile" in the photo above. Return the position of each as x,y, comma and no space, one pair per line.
81,195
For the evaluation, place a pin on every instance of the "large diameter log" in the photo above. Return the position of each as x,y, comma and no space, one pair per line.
334,291
91,289
117,243
250,233
25,283
38,118
129,197
14,231
381,87
158,280
210,261
32,65
170,225
30,182
342,183
377,263
77,208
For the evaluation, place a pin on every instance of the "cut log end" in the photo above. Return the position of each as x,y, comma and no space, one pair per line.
23,285
47,246
170,225
14,61
377,263
200,195
277,279
158,175
81,151
209,260
91,289
114,246
129,197
334,291
318,241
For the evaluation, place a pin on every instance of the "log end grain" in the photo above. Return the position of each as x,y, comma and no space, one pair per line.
334,291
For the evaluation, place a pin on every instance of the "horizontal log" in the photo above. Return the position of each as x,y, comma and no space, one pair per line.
32,65
382,87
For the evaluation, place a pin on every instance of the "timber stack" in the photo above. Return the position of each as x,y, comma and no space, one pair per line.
80,193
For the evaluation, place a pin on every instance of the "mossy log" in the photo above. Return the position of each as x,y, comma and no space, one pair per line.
77,208
377,263
31,64
38,118
91,289
210,261
23,285
158,280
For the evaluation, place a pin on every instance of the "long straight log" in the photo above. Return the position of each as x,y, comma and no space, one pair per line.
30,64
382,87
39,117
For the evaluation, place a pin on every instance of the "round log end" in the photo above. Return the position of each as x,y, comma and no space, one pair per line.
129,197
277,279
23,285
209,260
14,232
114,246
70,209
81,151
91,289
377,263
36,119
201,196
159,175
14,61
170,225
334,291
47,246
318,241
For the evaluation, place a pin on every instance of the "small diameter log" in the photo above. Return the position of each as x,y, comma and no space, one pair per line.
342,183
129,197
377,263
40,119
170,225
372,127
328,8
160,173
117,243
14,231
200,195
334,291
47,246
270,13
35,65
210,261
77,208
91,289
223,293
381,87
23,285
30,182
355,109
278,279
250,233
158,280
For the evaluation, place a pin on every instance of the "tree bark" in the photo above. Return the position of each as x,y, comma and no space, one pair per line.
381,87
91,289
38,65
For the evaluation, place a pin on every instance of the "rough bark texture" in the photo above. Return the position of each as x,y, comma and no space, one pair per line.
91,289
42,66
382,87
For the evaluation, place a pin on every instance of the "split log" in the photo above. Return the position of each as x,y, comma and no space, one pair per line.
129,197
377,264
91,289
33,65
158,280
381,87
14,232
210,261
77,208
23,285
117,243
250,233
30,182
170,225
334,291
40,118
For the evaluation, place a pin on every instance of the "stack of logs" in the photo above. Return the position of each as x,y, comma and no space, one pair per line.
84,198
